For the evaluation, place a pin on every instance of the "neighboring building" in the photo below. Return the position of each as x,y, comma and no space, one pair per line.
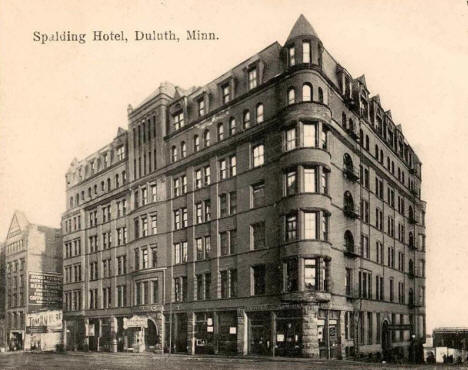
448,345
2,296
275,210
33,260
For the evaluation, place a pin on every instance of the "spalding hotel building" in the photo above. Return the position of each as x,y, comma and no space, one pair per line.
276,210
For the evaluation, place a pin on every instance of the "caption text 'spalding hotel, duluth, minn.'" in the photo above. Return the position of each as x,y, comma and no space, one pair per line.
275,210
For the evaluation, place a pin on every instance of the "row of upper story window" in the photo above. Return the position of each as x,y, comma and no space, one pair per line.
303,134
16,320
96,191
16,266
358,100
96,165
15,246
179,110
16,299
377,254
15,282
396,171
364,178
315,277
109,267
106,240
365,283
72,273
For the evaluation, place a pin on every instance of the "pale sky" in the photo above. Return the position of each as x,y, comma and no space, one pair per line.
64,100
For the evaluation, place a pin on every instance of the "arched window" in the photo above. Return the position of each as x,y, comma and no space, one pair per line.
206,138
196,143
348,162
348,201
411,266
306,92
349,241
183,149
291,95
343,120
246,119
174,153
411,297
259,113
361,137
320,95
220,131
411,240
108,184
351,125
410,213
367,142
376,152
381,156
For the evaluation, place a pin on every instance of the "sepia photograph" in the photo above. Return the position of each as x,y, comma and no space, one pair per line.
233,185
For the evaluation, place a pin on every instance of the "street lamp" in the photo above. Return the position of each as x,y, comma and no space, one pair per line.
413,354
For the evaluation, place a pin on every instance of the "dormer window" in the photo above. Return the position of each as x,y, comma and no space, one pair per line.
201,107
120,152
226,89
306,52
291,56
179,120
252,78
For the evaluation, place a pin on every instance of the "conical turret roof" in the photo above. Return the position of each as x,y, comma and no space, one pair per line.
302,27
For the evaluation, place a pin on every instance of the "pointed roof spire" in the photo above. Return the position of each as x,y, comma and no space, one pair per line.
302,27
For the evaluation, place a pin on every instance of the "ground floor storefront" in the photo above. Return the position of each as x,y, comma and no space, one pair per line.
133,332
297,330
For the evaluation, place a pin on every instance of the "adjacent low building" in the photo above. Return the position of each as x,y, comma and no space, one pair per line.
33,276
276,210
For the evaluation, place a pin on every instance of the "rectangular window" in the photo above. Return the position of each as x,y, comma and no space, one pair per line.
252,78
258,155
207,286
200,250
224,284
226,93
201,107
310,180
291,183
258,235
223,206
306,52
232,241
198,179
154,224
222,169
207,210
232,202
310,225
207,172
199,282
309,134
291,139
258,195
291,56
233,283
291,227
232,166
223,240
155,295
258,273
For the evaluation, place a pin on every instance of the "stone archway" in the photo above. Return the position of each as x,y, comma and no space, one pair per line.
151,334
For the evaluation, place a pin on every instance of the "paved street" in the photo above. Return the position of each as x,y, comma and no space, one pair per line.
103,361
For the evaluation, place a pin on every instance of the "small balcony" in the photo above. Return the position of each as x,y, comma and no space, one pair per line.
349,174
351,212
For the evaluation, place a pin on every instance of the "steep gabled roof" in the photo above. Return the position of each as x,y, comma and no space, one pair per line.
19,222
302,27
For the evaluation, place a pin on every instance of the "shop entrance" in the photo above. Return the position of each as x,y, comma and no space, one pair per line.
259,333
227,336
289,333
204,333
386,341
181,333
16,341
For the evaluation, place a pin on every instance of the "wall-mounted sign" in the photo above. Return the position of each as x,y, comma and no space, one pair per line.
135,322
232,330
209,329
45,291
280,338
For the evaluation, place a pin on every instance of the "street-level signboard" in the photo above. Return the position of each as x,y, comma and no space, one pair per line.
43,322
45,291
135,322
